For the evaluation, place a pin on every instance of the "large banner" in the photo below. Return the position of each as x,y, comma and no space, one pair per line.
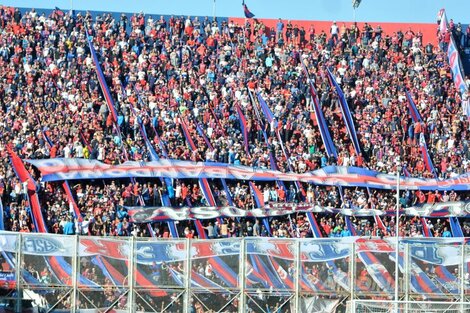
270,263
440,251
155,214
72,169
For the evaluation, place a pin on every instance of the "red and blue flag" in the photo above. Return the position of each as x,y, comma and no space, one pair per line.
247,12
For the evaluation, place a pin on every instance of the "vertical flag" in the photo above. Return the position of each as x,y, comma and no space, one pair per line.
173,229
426,231
455,227
314,225
203,182
247,12
227,192
356,3
264,271
2,226
257,194
71,200
270,117
25,177
321,121
380,224
416,117
224,183
157,138
347,117
259,199
102,81
427,158
204,137
187,135
58,11
154,157
443,23
243,126
413,109
266,110
200,229
206,190
377,271
350,226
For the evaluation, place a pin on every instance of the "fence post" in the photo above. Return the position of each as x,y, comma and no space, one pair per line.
131,276
241,275
75,276
352,268
406,275
188,277
19,272
297,278
462,277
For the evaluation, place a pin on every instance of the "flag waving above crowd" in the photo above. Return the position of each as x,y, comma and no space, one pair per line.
246,11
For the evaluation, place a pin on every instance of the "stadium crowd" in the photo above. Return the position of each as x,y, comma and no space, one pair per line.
183,70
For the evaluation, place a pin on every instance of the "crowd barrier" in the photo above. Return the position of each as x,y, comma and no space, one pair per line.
70,273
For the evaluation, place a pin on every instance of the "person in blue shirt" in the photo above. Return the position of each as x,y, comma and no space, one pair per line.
324,160
279,29
269,61
345,232
69,227
446,233
335,234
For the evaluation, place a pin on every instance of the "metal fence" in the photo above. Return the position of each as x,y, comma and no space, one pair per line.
90,274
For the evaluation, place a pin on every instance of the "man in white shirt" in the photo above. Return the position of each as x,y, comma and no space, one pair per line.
334,32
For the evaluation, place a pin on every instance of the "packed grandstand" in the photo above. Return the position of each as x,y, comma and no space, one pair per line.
354,105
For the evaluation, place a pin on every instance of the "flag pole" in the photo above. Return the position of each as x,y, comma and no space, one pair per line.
213,10
397,230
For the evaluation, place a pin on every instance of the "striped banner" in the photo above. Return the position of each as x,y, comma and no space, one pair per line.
320,118
426,231
244,128
350,225
110,272
154,157
416,117
102,82
25,177
314,225
270,117
200,229
346,113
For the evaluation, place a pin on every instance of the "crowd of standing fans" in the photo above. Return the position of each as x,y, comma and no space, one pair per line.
168,71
